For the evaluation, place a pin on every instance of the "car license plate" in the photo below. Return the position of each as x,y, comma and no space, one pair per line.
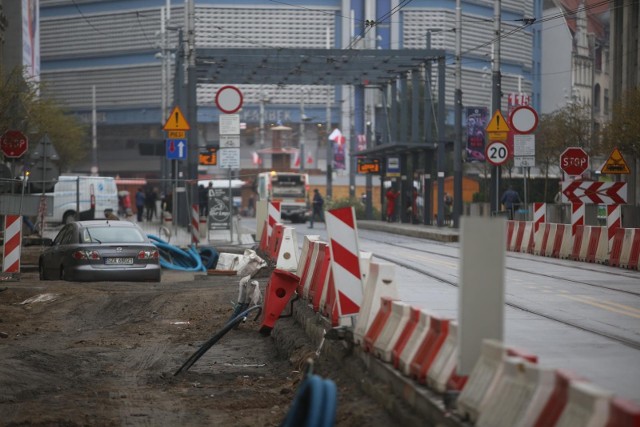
119,261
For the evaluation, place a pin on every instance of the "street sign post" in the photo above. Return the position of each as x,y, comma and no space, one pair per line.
574,161
523,119
229,99
14,144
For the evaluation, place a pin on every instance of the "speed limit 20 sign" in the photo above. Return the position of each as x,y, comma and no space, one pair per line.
497,153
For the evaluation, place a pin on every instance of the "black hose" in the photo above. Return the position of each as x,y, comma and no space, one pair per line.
215,338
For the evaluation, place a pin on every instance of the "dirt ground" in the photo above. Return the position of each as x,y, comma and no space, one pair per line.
104,354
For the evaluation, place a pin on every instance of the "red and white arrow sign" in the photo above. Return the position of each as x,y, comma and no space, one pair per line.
600,193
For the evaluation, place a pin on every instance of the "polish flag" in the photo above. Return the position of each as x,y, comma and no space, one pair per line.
335,135
256,158
309,159
296,161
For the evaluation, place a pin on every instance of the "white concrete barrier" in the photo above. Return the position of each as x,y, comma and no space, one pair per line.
410,350
588,406
380,283
383,346
444,365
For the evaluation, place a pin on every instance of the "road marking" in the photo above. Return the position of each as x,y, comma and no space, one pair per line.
605,305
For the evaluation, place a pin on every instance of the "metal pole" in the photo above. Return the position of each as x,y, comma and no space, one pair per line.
428,138
496,100
192,158
440,140
302,117
94,133
457,143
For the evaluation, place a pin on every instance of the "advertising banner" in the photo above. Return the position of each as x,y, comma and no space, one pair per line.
477,119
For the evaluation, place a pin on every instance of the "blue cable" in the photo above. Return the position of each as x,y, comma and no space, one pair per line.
180,260
314,405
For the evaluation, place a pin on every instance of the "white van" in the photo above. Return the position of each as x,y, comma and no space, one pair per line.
73,191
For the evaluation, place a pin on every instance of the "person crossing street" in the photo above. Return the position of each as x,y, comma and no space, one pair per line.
317,205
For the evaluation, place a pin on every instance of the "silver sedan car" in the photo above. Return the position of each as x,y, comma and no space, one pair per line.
102,250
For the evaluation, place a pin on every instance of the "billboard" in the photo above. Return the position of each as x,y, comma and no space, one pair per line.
477,119
31,39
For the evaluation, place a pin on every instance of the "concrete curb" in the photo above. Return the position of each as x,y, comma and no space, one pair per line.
447,235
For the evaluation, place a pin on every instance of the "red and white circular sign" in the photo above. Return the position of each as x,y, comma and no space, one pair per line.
229,99
523,119
497,153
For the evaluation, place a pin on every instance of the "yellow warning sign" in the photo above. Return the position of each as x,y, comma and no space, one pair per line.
176,134
615,164
497,123
176,121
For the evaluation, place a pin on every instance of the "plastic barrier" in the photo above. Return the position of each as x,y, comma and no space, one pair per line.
515,393
541,238
527,239
557,240
304,254
623,413
614,222
195,225
405,336
303,265
321,262
483,379
443,368
378,324
413,343
577,216
280,289
273,217
557,401
602,249
566,244
380,283
578,239
11,247
511,225
274,241
519,235
383,346
365,264
264,239
429,348
307,276
287,255
627,256
588,406
319,281
539,215
633,261
345,260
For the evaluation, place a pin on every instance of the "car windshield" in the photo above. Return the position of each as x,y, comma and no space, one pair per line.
112,235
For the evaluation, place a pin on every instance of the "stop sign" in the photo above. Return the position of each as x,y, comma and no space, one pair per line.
574,161
13,144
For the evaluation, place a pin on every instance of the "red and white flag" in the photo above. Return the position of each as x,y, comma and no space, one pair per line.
296,160
335,135
257,160
309,159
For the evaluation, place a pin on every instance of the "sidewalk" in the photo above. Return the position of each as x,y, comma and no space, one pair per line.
440,234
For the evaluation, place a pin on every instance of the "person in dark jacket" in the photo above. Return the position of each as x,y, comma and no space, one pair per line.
510,200
140,203
317,204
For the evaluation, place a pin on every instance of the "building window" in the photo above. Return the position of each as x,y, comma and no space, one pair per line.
596,98
606,101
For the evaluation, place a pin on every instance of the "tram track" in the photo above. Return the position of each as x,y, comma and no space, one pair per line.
509,302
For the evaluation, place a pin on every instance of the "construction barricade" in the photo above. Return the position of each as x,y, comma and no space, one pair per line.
588,406
380,283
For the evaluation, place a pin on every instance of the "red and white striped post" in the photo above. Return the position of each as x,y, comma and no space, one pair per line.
12,245
345,260
539,215
273,217
614,221
577,216
195,224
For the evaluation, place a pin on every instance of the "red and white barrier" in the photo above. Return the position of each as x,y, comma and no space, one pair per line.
429,348
577,216
345,265
483,379
541,239
315,263
539,215
407,355
378,324
625,250
578,242
405,336
557,401
273,217
380,283
12,245
588,406
623,412
527,239
614,221
444,365
391,331
566,243
195,224
323,266
522,386
287,252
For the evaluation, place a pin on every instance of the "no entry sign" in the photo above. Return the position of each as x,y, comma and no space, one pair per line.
229,99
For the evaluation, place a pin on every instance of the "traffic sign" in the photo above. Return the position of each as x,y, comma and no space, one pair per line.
368,165
229,141
230,124
615,164
497,123
497,153
229,99
176,121
208,157
176,149
574,161
229,158
523,119
176,134
14,144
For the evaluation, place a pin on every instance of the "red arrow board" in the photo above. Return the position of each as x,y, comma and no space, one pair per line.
600,193
14,144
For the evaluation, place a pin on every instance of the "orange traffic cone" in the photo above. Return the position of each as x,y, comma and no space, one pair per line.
281,287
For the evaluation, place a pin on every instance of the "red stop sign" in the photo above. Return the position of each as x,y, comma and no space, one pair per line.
574,161
13,144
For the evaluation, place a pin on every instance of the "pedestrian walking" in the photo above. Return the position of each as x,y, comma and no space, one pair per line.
150,204
317,204
140,203
510,200
391,197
